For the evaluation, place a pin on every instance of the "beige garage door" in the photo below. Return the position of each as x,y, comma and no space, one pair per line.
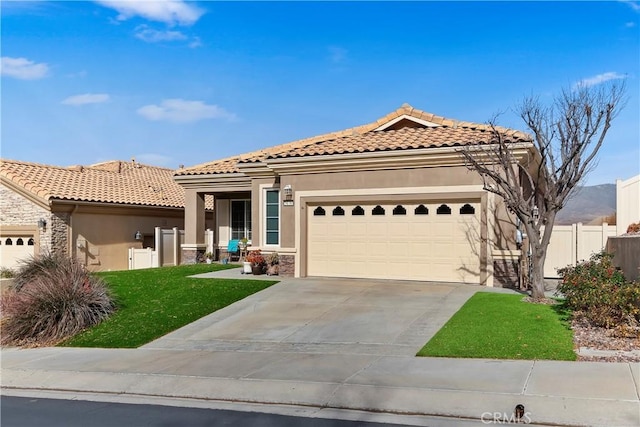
13,249
406,241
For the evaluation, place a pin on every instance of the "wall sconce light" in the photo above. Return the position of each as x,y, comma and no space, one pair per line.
42,224
288,195
536,213
138,235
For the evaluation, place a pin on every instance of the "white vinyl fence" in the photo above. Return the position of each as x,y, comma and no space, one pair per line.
167,249
573,243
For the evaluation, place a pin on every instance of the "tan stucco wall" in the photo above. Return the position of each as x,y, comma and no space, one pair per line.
427,177
106,237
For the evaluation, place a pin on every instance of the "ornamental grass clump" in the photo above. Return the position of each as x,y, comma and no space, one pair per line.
56,298
598,292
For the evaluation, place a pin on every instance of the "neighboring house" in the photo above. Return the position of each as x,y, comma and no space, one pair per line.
90,212
392,199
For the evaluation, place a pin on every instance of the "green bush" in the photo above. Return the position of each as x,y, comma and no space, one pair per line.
57,298
6,273
598,291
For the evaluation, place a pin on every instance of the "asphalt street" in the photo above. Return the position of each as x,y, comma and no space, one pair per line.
35,412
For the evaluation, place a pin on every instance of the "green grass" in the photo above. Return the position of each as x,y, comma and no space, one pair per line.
502,326
154,302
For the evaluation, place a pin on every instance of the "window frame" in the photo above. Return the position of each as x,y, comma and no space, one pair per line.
265,218
248,231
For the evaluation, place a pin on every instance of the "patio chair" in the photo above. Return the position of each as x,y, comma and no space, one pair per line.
233,249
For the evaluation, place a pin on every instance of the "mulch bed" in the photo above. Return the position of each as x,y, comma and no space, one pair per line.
618,348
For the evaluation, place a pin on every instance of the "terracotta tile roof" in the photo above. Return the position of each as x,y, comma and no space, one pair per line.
401,139
440,132
128,183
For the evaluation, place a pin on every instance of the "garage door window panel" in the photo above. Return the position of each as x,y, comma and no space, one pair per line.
443,210
338,211
319,211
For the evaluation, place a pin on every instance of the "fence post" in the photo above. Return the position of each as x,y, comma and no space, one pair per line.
176,246
130,258
158,245
580,246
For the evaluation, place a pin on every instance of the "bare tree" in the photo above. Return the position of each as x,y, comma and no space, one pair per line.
565,139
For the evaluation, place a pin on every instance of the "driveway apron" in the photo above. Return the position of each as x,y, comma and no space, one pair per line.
327,316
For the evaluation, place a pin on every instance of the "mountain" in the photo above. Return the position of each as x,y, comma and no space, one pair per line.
588,204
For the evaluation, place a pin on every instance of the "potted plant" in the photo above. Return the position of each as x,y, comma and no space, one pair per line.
257,261
272,264
208,257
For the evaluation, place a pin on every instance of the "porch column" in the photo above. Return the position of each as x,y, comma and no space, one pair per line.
194,244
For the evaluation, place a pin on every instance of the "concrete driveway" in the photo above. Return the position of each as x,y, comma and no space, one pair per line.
327,316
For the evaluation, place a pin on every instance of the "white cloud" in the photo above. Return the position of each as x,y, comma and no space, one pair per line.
195,42
86,98
600,78
635,5
337,54
183,111
143,32
630,24
22,68
171,12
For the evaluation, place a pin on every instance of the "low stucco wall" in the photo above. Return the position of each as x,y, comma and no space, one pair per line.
626,250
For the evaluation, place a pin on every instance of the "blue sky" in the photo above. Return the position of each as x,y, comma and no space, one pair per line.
173,82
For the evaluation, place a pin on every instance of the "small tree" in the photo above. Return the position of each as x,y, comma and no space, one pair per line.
567,136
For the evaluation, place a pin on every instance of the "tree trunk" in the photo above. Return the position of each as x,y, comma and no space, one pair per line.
537,273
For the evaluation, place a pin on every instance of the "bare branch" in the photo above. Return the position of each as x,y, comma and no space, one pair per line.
566,138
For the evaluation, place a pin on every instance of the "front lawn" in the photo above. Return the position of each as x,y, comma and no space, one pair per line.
154,302
502,326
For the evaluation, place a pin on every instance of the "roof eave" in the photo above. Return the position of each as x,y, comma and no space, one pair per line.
390,159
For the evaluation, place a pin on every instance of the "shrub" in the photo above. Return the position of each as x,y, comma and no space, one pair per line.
57,298
6,273
598,291
255,257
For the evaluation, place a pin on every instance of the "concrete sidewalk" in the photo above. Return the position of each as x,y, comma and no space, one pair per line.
240,354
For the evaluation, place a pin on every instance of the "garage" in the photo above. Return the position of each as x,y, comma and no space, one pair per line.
430,241
15,248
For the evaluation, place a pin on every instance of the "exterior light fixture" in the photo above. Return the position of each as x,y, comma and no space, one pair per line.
288,195
535,212
138,235
42,224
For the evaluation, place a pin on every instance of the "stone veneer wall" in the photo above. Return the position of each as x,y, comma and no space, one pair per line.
59,227
287,265
191,256
505,273
17,210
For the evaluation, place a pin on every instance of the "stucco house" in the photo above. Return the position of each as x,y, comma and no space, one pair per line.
391,199
90,212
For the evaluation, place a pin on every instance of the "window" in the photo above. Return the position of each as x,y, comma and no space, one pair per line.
338,211
357,211
399,210
272,223
443,210
20,242
30,242
319,211
8,242
421,210
240,219
378,210
467,209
